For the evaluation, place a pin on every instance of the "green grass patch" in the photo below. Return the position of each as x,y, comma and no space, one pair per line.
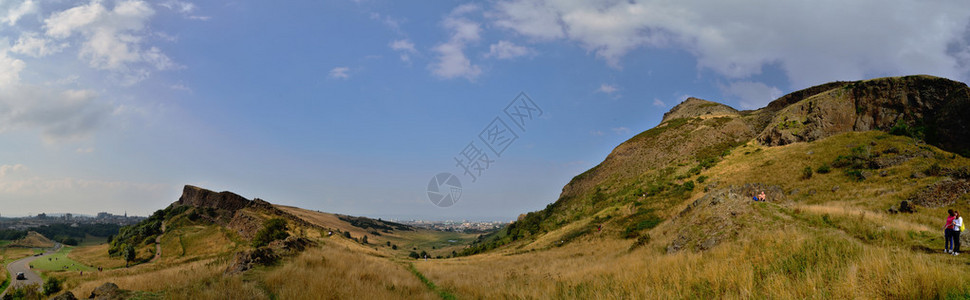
60,262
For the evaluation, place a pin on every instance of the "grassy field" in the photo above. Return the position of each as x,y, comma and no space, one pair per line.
60,261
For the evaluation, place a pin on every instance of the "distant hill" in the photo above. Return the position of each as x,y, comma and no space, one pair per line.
33,240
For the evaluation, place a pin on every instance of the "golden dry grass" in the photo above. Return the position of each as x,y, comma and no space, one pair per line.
96,256
778,264
336,272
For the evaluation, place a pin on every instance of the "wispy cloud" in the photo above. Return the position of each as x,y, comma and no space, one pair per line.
621,130
451,61
340,73
405,47
507,50
608,89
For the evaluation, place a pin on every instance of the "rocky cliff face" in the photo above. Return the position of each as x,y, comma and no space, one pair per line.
199,197
933,108
233,211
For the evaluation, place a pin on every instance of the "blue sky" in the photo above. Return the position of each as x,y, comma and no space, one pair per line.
352,106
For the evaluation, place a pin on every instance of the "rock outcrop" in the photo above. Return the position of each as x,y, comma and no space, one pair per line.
199,197
109,291
695,108
930,107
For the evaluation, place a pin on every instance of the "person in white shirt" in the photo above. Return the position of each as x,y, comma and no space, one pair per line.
957,224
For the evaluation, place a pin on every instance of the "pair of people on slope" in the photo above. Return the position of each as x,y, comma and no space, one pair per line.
951,232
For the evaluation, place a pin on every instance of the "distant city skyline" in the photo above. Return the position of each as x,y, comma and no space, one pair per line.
352,106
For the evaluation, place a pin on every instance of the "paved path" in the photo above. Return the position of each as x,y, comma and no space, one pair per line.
23,265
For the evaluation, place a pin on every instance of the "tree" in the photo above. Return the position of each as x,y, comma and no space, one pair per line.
393,247
347,234
414,255
52,285
128,253
364,240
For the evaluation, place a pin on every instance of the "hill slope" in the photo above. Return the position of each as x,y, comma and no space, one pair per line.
858,177
204,246
653,170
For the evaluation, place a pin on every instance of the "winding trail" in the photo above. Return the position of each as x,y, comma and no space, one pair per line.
23,265
158,244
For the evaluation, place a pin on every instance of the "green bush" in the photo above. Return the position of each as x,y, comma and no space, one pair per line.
273,229
855,174
824,169
52,285
807,173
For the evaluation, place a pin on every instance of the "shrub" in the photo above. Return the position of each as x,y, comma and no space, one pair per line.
855,174
70,241
128,253
414,255
688,186
347,234
52,285
641,240
701,179
807,173
824,169
273,229
934,170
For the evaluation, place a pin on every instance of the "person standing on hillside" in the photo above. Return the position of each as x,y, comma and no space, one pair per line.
948,232
957,225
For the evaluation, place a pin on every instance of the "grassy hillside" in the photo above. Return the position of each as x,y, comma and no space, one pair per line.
200,245
827,235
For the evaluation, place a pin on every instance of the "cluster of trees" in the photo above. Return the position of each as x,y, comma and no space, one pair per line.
143,233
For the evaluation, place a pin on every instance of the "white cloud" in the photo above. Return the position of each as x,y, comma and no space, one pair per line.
16,12
9,169
186,9
621,130
111,39
9,70
608,88
451,61
391,23
31,45
70,194
84,150
340,73
180,87
658,103
406,48
812,42
752,95
507,50
58,115
596,132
